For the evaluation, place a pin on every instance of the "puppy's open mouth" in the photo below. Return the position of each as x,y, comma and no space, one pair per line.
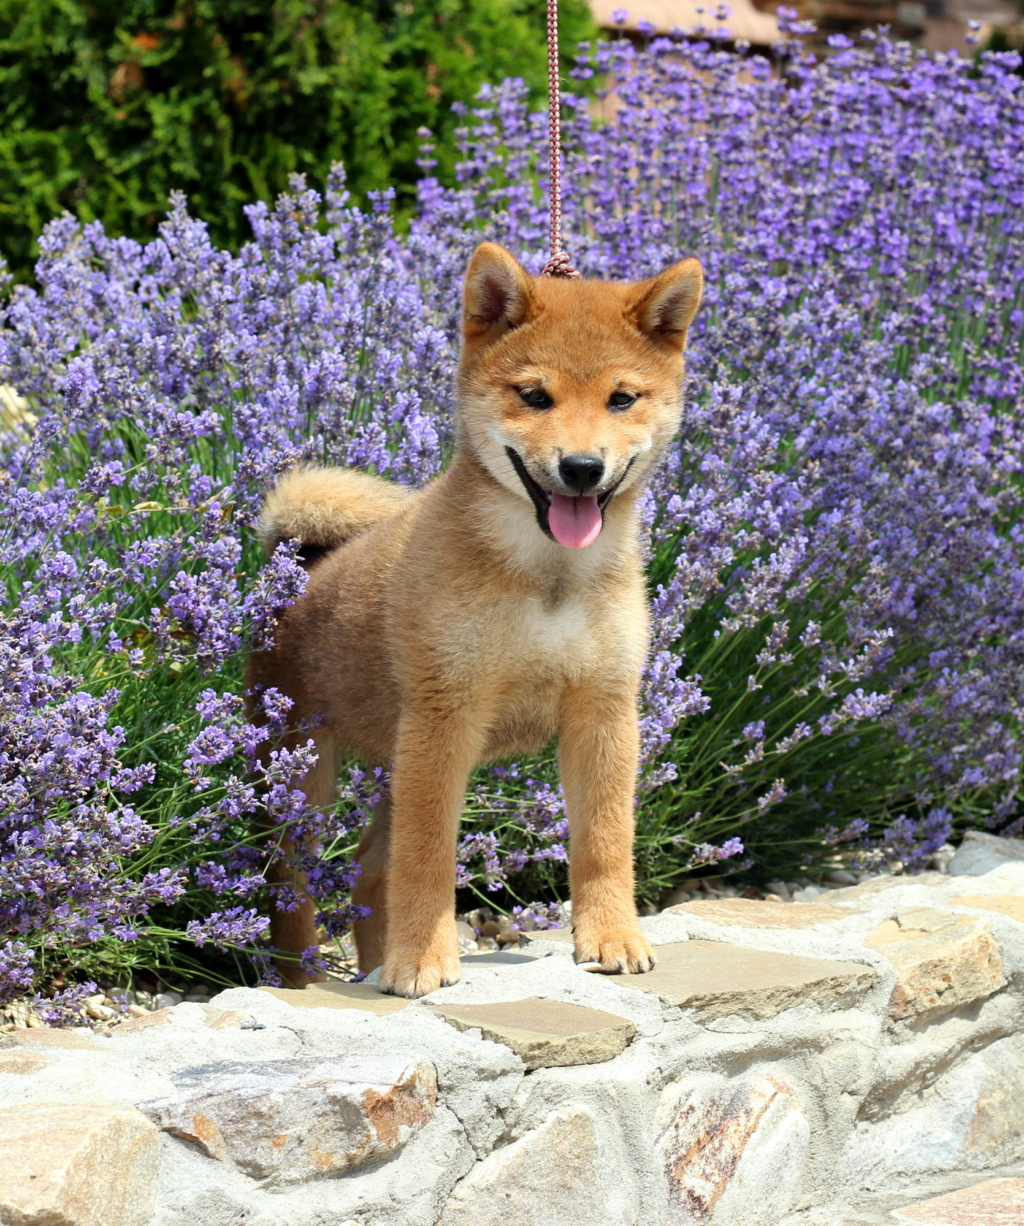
573,522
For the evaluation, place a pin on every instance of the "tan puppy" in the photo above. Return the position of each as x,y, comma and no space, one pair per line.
500,606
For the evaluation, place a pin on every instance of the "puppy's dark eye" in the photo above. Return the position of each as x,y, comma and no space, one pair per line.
535,397
621,400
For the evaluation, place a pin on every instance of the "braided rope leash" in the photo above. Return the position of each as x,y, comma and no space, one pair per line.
559,265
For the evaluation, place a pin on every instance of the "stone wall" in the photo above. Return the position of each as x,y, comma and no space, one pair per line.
782,1063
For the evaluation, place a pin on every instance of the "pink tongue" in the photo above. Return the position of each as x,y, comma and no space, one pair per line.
575,522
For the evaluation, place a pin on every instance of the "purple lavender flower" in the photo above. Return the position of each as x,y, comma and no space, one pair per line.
834,546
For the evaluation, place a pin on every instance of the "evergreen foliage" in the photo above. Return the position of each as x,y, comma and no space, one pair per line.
107,106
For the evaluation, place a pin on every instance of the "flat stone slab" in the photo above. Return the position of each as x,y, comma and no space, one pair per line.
999,1202
1004,904
23,1060
77,1164
545,1033
749,913
340,996
716,979
546,934
287,1121
45,1037
942,960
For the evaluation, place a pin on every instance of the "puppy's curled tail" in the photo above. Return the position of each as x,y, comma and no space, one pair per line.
325,507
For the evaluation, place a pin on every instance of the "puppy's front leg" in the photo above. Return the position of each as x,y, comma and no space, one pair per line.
434,756
598,750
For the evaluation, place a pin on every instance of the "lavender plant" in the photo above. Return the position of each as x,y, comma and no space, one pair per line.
834,545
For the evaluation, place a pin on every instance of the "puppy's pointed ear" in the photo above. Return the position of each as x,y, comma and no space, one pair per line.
497,294
667,303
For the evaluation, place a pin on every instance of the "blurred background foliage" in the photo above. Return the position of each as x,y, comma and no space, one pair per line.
109,105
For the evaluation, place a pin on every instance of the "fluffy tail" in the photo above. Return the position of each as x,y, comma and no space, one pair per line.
324,507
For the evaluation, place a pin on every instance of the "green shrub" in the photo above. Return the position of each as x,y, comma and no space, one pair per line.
105,108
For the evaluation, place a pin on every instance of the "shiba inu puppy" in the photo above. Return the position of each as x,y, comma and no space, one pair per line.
499,607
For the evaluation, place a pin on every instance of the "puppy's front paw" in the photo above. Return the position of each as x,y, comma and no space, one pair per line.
622,950
414,974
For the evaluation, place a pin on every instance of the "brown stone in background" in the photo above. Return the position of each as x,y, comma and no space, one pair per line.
999,1202
942,960
746,913
545,1033
715,979
77,1164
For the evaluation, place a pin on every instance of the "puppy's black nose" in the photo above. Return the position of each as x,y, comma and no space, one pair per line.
581,473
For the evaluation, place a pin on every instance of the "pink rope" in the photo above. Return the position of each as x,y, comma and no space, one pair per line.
559,265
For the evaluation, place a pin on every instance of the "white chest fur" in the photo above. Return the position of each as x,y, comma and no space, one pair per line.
561,631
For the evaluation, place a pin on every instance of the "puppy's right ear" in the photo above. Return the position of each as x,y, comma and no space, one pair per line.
496,296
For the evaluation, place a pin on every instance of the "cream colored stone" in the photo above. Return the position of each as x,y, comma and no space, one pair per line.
340,996
716,979
555,1175
80,1164
1005,904
725,1142
998,1202
942,960
546,1033
749,913
996,1126
23,1060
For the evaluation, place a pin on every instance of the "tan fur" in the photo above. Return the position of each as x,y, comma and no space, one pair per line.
450,630
327,506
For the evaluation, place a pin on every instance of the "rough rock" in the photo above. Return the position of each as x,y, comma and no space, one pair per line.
716,979
942,960
287,1121
340,996
748,913
546,1033
979,853
86,1164
1005,904
999,1202
555,1175
972,1117
725,1143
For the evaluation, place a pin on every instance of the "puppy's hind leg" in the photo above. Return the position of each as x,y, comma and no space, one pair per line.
371,888
295,930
